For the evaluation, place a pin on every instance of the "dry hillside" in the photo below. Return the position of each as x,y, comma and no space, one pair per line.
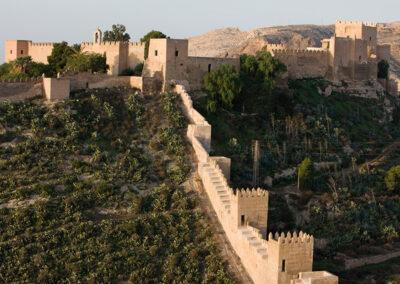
232,41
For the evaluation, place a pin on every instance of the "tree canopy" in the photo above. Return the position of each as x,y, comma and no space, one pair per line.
60,55
117,33
24,67
146,40
84,62
392,178
249,89
223,86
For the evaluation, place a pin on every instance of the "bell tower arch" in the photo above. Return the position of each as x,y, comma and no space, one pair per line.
98,36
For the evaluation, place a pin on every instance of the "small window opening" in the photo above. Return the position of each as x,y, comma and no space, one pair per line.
359,58
242,220
176,53
283,265
10,51
209,68
22,52
156,53
370,38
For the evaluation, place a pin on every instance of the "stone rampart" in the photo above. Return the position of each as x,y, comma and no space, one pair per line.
304,63
243,213
15,91
39,51
87,80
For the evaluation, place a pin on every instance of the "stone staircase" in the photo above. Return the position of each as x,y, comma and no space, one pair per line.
218,186
254,240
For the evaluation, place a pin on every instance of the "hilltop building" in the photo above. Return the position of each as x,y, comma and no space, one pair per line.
353,53
168,58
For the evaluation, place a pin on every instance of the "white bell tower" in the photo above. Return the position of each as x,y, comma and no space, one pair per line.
98,36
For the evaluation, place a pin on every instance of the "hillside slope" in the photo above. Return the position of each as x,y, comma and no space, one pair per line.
91,191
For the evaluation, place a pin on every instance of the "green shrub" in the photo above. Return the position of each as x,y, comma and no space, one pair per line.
392,179
223,86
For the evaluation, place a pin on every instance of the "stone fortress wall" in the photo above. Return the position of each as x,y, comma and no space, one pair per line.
21,89
243,214
352,53
120,55
169,60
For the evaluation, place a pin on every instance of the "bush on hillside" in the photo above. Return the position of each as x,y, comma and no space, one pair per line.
392,178
305,174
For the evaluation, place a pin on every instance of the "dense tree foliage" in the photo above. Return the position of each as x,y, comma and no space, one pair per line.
84,62
258,75
146,40
60,54
91,192
251,88
117,33
223,86
383,69
24,67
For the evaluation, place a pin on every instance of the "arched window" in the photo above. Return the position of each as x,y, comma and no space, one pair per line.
209,68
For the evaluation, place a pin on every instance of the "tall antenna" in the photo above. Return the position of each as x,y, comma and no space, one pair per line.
256,163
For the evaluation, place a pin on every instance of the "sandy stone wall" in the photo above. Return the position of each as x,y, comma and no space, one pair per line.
40,51
243,214
113,52
56,89
15,91
304,63
319,277
169,61
15,49
20,48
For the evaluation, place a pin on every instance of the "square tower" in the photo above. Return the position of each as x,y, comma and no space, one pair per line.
167,60
15,49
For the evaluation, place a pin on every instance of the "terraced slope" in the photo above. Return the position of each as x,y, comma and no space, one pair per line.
90,190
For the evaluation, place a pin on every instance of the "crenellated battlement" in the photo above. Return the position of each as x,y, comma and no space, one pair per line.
290,238
299,52
361,23
113,43
22,80
273,46
138,44
104,43
50,44
250,193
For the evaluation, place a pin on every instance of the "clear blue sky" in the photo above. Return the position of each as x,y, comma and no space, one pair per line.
75,20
